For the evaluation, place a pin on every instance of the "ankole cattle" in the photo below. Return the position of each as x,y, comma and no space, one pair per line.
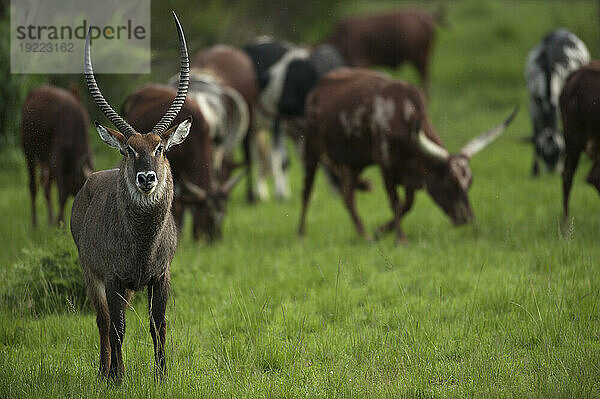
580,112
547,67
388,39
54,135
356,118
122,223
222,82
197,186
285,73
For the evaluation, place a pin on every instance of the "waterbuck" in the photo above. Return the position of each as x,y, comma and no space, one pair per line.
122,223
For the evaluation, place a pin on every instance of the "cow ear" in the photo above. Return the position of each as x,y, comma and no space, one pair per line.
177,134
111,137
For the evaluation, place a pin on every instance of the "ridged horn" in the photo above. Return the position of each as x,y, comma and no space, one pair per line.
483,140
106,109
184,80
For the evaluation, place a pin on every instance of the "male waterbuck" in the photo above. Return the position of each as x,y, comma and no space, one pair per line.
122,223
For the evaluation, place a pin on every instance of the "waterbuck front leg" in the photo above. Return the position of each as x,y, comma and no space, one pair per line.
158,294
117,298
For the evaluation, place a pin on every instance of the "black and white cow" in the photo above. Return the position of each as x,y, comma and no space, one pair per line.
285,74
224,109
548,66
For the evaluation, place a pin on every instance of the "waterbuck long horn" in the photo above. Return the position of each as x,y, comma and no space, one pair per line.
198,191
106,109
432,148
483,140
184,80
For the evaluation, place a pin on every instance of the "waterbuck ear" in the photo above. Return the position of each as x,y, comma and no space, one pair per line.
111,137
177,134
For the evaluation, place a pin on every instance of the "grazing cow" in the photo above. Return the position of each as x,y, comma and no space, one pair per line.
224,85
580,111
388,39
548,66
122,223
196,184
357,117
285,74
54,134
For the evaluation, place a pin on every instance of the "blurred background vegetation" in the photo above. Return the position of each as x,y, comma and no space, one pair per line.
234,22
237,22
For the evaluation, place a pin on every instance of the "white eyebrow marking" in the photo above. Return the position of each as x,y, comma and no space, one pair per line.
134,151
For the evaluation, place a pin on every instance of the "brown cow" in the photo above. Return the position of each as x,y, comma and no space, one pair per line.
54,134
388,39
234,69
196,187
580,110
357,117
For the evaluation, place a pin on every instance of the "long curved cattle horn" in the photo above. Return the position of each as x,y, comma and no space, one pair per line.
483,140
196,190
432,148
106,109
231,182
184,80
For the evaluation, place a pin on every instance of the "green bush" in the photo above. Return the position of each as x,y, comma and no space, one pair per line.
48,279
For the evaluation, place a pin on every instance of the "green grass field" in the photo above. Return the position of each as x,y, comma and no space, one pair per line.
506,307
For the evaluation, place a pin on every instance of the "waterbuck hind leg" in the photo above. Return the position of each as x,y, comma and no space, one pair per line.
117,299
158,294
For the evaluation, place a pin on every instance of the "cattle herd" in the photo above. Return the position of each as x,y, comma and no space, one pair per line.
341,115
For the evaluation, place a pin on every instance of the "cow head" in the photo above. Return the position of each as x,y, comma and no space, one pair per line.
450,176
208,207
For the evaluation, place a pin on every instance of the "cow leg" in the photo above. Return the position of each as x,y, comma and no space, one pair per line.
158,294
117,299
571,161
349,184
247,143
535,170
32,189
46,183
279,161
260,153
311,161
389,226
62,197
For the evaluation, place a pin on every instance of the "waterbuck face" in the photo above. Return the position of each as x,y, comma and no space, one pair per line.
145,165
448,184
